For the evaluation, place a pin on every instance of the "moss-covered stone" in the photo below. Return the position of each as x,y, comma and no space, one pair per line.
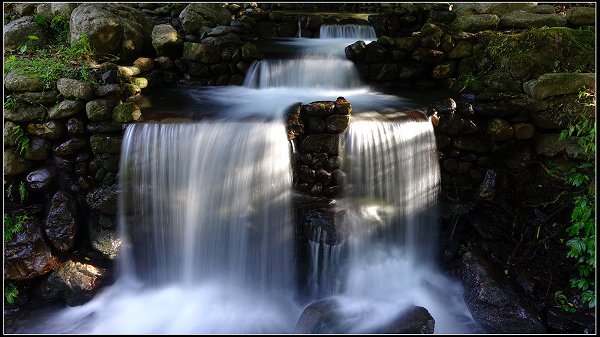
476,23
48,130
526,55
14,81
126,112
523,19
203,53
25,113
15,164
503,8
580,16
66,108
553,84
106,144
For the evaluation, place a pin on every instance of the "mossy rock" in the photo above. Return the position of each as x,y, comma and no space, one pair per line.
529,54
503,8
126,112
580,16
554,84
476,23
523,19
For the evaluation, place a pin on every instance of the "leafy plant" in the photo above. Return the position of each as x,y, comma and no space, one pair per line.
11,102
563,303
9,190
22,192
21,139
582,229
13,224
10,293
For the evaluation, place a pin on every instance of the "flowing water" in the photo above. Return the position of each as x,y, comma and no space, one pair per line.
205,212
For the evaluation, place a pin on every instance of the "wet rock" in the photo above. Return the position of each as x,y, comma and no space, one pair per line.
387,72
126,112
494,305
499,130
553,84
317,189
75,127
104,127
461,50
523,19
433,56
112,28
27,256
306,174
108,89
11,132
61,223
319,108
25,113
342,106
71,88
202,53
329,144
323,177
75,282
375,53
315,125
69,147
250,51
487,189
14,163
110,77
326,316
106,144
355,51
227,40
106,242
48,130
564,322
40,179
581,16
66,108
444,70
452,124
15,34
471,143
476,23
406,43
293,124
104,199
503,8
337,123
164,63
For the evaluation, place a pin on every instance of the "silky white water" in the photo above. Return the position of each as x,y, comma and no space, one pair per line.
205,214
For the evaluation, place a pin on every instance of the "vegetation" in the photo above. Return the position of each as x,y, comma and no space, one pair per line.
14,224
21,139
10,293
59,59
582,229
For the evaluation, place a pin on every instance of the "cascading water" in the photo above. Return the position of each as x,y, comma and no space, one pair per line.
206,222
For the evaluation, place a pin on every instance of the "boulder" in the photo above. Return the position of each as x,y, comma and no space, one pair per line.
552,84
13,81
112,28
63,9
69,147
476,23
106,242
100,109
74,282
45,97
581,16
523,130
503,8
61,223
329,144
48,130
523,19
106,144
14,163
40,179
337,123
66,108
26,113
494,305
126,112
166,40
198,18
499,130
71,88
203,53
27,256
17,33
355,51
250,51
549,144
39,149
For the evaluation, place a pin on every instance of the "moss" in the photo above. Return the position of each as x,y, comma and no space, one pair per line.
531,53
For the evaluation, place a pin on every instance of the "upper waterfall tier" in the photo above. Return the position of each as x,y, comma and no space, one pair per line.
359,32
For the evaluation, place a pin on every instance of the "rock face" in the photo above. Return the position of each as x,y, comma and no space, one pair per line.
325,317
15,164
476,23
16,82
523,19
16,34
104,199
61,224
74,282
495,306
553,84
27,256
112,28
40,179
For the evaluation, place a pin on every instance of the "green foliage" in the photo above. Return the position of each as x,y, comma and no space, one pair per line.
21,138
9,190
582,229
22,192
54,62
11,102
563,303
10,293
13,224
58,26
468,82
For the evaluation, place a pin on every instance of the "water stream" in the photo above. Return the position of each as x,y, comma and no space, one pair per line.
205,212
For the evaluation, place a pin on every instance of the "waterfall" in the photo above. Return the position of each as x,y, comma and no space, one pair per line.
208,200
357,32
